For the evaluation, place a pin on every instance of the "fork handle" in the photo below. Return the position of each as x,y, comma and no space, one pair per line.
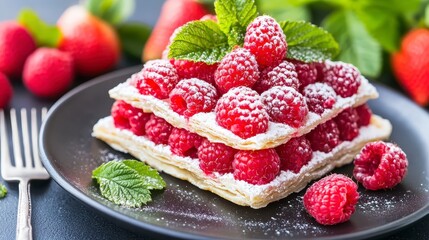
23,227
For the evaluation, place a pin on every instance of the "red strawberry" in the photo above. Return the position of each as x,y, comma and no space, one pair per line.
411,65
6,91
48,72
174,14
16,44
92,42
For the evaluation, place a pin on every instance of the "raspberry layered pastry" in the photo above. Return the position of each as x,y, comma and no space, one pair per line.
253,125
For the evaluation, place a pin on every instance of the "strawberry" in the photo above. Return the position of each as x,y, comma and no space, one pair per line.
411,65
6,91
16,44
174,13
48,72
93,43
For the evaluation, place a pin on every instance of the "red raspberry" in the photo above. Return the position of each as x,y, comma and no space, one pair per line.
237,68
215,157
157,78
184,143
188,69
285,105
307,73
324,137
364,113
241,111
256,167
380,165
319,97
266,40
191,96
344,78
158,130
283,74
347,124
125,116
295,154
332,199
6,91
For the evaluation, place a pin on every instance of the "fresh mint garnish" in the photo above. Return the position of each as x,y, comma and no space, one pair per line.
3,191
44,34
127,182
307,42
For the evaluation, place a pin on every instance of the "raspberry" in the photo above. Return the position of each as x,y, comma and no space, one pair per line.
184,143
344,78
285,105
157,78
266,40
237,68
282,75
6,91
319,97
158,130
380,165
125,116
307,73
364,113
215,157
191,96
241,111
332,199
324,137
347,124
256,167
188,69
295,154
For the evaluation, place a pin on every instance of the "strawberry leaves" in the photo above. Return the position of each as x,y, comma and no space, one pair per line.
44,34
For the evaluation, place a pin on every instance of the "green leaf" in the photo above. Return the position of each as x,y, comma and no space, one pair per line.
234,16
45,35
426,19
3,191
357,45
127,182
307,42
281,10
133,37
112,11
201,41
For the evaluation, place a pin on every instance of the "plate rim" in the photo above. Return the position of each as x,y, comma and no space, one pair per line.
127,221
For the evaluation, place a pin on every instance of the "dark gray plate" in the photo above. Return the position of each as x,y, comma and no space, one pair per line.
184,211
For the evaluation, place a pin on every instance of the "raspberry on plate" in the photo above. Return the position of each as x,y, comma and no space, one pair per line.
158,130
285,105
324,137
364,113
125,116
191,96
344,78
215,157
189,69
157,78
266,40
184,143
295,154
283,74
256,167
319,97
332,199
242,111
347,122
380,165
307,73
237,68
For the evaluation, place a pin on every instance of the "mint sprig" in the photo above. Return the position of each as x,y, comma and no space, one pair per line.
127,182
3,191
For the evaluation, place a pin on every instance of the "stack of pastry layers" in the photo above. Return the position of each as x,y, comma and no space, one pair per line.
204,124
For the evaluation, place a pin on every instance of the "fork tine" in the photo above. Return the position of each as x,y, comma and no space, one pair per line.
4,148
25,138
15,139
35,135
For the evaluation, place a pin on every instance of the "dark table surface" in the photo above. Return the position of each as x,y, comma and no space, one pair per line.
58,215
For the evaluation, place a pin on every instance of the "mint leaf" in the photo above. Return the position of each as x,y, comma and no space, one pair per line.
44,34
3,191
111,11
282,10
307,42
358,47
234,16
201,41
133,37
127,182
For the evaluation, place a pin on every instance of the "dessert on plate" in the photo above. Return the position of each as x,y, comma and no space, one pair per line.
251,115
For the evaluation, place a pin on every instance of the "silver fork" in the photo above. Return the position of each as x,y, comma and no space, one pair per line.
22,171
